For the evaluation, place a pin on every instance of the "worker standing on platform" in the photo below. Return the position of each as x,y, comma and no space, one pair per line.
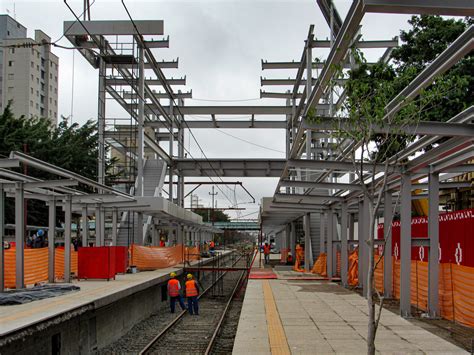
266,252
212,247
174,291
192,293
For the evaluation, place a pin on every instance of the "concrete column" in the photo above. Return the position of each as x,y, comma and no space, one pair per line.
114,226
351,226
140,121
360,232
19,235
139,229
85,227
344,256
51,238
102,224
322,239
433,234
2,233
387,262
405,245
329,248
293,240
67,237
308,258
287,237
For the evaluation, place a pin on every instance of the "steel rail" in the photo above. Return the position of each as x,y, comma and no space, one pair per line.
175,321
224,313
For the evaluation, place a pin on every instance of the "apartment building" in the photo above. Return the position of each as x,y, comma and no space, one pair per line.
29,74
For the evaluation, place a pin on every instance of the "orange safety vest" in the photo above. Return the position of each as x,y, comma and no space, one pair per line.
173,288
211,244
266,249
191,289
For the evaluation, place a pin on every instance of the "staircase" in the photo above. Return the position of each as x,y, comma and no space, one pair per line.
154,172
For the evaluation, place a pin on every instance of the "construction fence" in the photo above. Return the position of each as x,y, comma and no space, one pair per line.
144,258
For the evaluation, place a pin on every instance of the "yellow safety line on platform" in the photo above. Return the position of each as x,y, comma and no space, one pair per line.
276,333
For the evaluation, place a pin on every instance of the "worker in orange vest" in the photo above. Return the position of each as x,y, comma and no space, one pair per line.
266,252
174,291
212,246
192,293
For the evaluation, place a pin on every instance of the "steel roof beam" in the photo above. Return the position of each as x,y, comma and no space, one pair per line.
322,165
162,65
279,82
320,185
223,124
306,198
360,44
149,82
235,110
427,128
128,95
280,95
113,28
429,7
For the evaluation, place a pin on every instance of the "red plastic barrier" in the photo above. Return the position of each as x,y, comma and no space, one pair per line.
96,263
121,259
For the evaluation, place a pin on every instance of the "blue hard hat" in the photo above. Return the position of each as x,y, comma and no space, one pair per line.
40,232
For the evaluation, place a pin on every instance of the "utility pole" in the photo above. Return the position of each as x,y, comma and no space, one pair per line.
212,194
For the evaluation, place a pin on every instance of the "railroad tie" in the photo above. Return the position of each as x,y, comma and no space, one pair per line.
276,333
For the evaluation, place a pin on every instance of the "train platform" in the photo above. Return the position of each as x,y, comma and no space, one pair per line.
288,315
93,294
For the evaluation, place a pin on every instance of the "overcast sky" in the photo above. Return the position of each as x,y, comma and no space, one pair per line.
220,45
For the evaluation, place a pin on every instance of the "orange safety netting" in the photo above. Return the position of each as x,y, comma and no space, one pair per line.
36,265
299,258
59,262
284,255
152,258
192,253
455,286
319,266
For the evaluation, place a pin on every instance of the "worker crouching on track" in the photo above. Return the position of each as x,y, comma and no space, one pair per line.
192,293
174,291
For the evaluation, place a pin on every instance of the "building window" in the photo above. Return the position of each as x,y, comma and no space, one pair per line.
55,90
32,77
37,93
31,90
51,76
42,86
37,106
11,76
50,64
56,78
12,50
37,67
42,62
55,103
55,114
37,81
11,63
50,113
31,103
42,112
50,88
10,89
32,64
38,55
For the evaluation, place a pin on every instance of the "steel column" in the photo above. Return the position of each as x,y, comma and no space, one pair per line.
307,242
51,238
67,237
101,118
329,248
293,240
19,235
114,226
98,230
322,225
139,229
85,227
360,234
140,121
405,245
344,256
2,232
387,259
171,143
433,234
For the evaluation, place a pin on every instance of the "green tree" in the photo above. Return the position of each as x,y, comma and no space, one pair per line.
211,215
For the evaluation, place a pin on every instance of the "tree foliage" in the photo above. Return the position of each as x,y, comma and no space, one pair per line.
211,215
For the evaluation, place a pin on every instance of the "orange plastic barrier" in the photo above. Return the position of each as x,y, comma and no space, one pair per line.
192,253
338,264
36,266
284,255
378,273
299,258
319,266
59,262
152,258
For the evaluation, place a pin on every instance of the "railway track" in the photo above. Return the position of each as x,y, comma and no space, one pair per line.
188,334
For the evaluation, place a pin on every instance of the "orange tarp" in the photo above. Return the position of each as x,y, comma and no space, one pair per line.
319,266
192,253
152,258
353,269
299,258
284,255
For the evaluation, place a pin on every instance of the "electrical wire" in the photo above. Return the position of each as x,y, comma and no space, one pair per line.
218,100
249,142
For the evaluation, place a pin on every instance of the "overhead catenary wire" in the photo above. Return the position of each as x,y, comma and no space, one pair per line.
181,114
